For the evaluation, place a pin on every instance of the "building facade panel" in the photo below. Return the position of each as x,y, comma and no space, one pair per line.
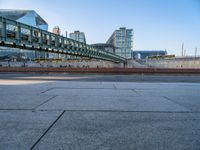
78,36
122,40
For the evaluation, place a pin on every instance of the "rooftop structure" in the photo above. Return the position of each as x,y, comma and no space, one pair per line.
122,40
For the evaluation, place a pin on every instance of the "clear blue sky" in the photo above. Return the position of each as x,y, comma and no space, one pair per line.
157,24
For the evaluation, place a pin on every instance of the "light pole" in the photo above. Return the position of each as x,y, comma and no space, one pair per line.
195,52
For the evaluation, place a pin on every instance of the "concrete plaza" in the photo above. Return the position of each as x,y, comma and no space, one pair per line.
99,112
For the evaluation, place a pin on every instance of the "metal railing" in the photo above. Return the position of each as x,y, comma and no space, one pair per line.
15,34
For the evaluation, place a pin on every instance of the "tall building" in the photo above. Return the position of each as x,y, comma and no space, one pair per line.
122,40
56,30
29,17
78,36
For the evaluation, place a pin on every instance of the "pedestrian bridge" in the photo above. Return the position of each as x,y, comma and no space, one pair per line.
19,35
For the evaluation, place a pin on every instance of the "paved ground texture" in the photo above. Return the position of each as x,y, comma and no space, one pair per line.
92,112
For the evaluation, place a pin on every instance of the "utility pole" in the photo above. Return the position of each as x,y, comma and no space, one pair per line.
195,52
182,49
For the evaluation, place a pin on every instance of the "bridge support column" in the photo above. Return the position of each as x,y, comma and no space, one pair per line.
125,64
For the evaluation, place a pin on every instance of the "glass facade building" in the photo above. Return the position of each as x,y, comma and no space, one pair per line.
122,40
29,17
78,36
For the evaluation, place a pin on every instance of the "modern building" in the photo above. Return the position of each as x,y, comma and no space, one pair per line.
56,30
122,40
103,46
143,54
78,36
29,17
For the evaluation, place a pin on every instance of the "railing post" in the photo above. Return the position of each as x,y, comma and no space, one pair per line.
30,36
40,37
49,41
4,34
18,33
62,43
56,41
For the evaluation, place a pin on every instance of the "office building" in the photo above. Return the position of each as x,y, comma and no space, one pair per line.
56,30
78,36
122,40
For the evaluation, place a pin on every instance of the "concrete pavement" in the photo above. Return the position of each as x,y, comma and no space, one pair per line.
85,113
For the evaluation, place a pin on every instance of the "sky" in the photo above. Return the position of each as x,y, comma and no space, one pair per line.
157,24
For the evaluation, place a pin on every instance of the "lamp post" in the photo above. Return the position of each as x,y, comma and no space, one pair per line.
195,52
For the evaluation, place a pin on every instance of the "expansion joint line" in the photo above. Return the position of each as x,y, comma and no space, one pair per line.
45,102
114,86
32,147
169,99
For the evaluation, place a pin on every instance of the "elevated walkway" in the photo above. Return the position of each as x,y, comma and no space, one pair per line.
18,35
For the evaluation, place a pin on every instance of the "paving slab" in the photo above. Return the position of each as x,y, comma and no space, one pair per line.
90,92
93,102
112,103
23,101
123,131
168,91
191,102
19,130
81,85
136,85
22,89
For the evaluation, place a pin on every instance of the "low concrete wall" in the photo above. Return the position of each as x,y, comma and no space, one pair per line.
67,64
165,63
172,63
175,63
134,64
